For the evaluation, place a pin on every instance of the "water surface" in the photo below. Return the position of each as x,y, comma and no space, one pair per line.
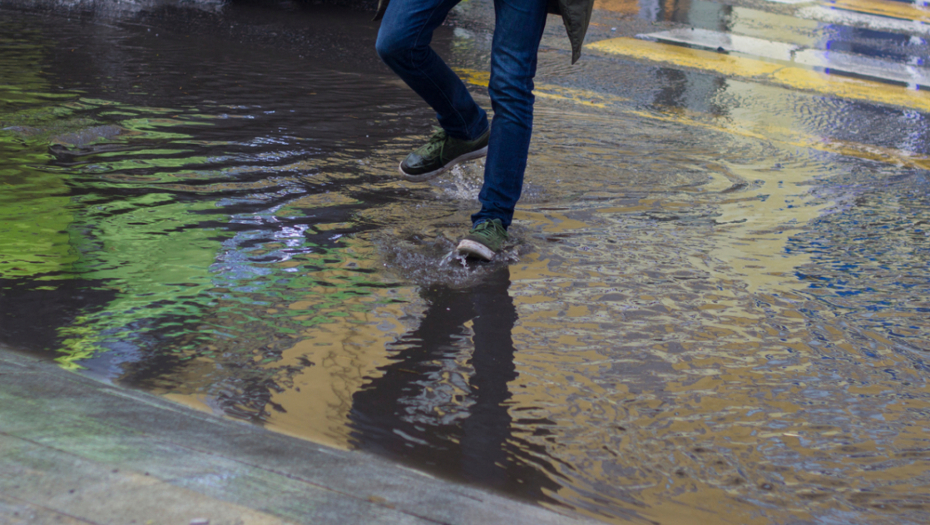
694,322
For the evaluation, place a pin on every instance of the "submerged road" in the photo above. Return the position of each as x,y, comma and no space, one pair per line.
713,310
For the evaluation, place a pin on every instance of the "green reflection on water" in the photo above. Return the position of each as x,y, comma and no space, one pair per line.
34,204
34,215
59,220
150,248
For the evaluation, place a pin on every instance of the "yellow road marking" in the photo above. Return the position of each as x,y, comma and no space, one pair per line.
683,56
583,97
627,7
792,77
799,139
876,7
899,10
769,133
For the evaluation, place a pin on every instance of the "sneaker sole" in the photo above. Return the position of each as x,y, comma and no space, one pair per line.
423,177
468,247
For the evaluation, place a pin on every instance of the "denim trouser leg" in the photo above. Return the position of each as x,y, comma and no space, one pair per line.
403,44
518,30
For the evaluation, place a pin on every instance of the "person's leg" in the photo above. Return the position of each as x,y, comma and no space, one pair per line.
403,44
517,33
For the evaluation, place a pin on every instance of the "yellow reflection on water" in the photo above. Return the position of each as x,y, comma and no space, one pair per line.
345,353
653,361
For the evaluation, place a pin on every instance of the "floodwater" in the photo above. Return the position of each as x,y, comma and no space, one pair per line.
714,308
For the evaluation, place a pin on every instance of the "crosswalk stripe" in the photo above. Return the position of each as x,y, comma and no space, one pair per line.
835,61
864,66
717,40
894,17
850,18
792,77
766,133
773,26
898,10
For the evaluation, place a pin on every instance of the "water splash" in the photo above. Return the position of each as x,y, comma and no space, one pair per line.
434,261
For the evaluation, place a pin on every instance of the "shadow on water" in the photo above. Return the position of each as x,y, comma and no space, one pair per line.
446,390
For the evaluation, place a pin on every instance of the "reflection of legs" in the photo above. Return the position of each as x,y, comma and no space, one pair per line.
487,429
404,45
480,448
518,31
380,409
383,406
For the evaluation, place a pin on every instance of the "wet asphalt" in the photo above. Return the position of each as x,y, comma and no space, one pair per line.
714,309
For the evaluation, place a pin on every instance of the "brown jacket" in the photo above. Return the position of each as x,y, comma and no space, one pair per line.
576,14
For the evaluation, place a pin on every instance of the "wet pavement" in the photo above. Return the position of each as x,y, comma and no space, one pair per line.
76,451
714,308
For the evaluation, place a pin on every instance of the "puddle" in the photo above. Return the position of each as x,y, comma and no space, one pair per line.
694,321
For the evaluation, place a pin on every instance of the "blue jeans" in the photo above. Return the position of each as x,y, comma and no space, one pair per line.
403,44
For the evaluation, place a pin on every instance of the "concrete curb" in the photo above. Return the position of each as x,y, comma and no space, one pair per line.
74,450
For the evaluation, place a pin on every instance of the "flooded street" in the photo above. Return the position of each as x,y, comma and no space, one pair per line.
713,308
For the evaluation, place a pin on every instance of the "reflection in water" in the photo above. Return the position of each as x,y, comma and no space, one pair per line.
710,311
687,89
442,402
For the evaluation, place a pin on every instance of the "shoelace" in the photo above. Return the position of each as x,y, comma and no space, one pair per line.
482,228
438,138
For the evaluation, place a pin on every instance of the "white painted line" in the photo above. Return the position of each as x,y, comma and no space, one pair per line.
773,26
865,66
849,18
835,61
716,40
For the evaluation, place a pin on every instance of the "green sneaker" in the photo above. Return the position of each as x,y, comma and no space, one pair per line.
484,240
440,153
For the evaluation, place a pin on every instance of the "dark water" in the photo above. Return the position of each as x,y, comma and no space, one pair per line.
692,324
